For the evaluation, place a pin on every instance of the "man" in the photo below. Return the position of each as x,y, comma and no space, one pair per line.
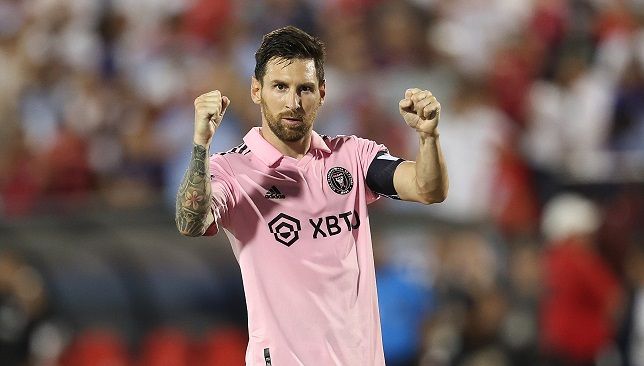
582,296
294,207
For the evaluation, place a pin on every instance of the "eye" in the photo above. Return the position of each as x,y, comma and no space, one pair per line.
307,89
280,86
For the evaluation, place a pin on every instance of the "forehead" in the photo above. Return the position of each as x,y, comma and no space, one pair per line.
298,70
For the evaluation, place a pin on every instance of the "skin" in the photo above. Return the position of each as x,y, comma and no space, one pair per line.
424,180
290,89
289,97
192,213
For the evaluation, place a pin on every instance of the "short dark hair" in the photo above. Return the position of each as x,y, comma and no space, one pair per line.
289,43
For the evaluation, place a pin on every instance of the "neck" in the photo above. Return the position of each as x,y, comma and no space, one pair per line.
295,149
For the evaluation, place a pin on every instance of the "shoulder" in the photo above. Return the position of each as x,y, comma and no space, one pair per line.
344,141
229,158
241,149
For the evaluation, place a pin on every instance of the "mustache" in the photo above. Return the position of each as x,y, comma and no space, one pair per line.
291,115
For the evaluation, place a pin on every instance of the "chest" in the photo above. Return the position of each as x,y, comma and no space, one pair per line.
317,187
319,200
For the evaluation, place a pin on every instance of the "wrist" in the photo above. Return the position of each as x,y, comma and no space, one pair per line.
431,136
199,160
201,142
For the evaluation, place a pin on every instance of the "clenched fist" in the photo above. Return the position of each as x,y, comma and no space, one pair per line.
421,111
209,111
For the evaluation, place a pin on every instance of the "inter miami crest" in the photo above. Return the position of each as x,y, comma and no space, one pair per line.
339,180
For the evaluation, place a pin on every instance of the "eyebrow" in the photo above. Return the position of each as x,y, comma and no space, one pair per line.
308,83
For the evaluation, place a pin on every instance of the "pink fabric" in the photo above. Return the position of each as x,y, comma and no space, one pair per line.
310,293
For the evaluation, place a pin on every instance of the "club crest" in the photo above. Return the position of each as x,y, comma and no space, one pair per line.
339,180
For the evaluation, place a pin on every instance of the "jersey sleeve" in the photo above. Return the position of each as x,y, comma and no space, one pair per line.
375,184
222,183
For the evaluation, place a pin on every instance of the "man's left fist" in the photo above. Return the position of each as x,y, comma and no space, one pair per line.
421,111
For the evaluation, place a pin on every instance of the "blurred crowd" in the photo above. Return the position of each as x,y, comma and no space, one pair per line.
535,258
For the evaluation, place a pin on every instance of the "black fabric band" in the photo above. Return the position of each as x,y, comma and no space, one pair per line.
380,175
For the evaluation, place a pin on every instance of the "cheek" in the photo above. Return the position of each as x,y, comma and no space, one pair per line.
310,103
275,100
269,100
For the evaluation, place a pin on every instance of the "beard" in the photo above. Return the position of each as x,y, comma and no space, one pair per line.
286,132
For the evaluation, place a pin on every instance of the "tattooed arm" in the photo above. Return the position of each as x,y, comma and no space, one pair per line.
193,211
193,214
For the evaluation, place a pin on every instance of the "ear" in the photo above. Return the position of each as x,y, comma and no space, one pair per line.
255,91
322,89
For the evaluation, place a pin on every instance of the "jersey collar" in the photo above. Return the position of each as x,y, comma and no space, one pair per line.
268,154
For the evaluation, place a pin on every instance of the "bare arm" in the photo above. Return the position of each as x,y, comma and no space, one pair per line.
193,214
424,180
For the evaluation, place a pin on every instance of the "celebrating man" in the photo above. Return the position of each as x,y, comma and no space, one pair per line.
293,204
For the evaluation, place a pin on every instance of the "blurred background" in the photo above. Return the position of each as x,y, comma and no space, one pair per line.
535,258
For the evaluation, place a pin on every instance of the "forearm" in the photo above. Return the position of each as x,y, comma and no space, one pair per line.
193,212
431,172
424,180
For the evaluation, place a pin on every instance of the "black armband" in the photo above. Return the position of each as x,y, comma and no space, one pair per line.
380,175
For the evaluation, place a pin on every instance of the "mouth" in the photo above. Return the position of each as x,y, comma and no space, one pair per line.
291,121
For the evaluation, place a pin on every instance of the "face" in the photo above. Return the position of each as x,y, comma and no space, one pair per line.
289,97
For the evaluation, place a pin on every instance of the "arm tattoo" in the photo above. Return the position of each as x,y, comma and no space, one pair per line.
193,197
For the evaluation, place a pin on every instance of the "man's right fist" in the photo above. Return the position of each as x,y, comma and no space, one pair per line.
209,111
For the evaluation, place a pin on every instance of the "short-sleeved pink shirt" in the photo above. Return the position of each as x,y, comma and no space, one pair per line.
300,232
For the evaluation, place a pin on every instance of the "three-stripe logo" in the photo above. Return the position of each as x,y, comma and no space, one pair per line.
274,193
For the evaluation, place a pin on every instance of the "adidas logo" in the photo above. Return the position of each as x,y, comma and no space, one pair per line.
274,193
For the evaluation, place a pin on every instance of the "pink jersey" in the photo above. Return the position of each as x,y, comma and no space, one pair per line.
300,232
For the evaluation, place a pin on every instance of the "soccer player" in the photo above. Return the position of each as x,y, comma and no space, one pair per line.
293,204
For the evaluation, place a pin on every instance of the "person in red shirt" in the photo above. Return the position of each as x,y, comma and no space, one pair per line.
581,293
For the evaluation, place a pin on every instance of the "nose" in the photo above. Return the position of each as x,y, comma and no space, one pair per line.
293,101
